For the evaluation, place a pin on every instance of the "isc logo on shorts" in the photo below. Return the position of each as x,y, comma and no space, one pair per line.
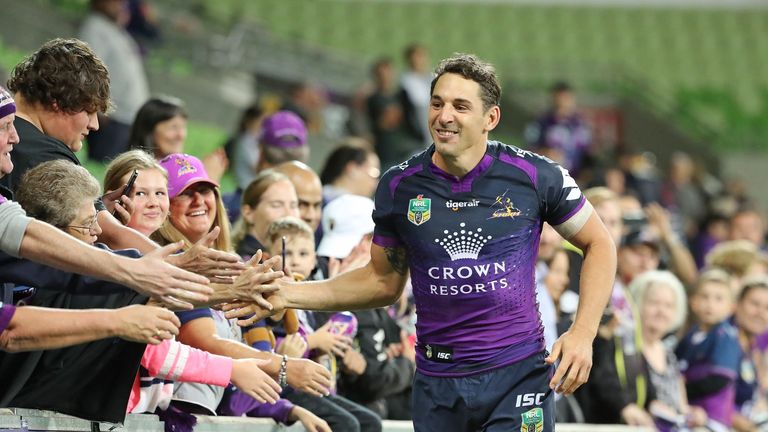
529,399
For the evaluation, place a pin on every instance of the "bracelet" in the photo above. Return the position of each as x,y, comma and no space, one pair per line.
282,376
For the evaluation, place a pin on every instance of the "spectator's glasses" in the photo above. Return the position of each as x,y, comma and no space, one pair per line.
90,228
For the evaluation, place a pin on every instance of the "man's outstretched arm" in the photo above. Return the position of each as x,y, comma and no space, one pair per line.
378,283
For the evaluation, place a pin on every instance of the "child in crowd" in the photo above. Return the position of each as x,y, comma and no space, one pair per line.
709,353
324,344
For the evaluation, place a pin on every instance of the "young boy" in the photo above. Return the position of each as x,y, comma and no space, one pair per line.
710,353
300,256
323,344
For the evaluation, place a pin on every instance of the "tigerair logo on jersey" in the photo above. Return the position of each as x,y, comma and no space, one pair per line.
456,205
419,210
533,420
503,207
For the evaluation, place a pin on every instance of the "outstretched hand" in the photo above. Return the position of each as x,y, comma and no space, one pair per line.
257,280
574,351
217,266
153,276
253,312
249,378
145,324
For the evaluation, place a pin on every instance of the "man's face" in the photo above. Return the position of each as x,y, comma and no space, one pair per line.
310,195
71,129
564,102
457,119
8,138
748,226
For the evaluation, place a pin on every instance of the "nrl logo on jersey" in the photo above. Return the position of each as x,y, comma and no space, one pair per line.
419,210
503,207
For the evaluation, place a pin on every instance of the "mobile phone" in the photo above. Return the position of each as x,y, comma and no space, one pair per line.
282,254
127,189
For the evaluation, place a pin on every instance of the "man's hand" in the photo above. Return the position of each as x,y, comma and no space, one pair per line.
172,286
308,376
145,324
574,350
257,280
218,266
254,312
248,377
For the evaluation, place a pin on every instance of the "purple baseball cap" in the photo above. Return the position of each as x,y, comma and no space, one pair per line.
284,129
183,171
7,104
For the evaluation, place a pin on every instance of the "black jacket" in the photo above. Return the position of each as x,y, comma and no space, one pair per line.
93,380
383,377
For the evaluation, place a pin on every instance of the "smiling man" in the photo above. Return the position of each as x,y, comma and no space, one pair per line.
480,357
59,89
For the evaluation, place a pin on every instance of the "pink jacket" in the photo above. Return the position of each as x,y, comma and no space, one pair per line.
174,361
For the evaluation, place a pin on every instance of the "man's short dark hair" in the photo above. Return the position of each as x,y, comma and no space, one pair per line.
410,50
560,86
65,73
472,68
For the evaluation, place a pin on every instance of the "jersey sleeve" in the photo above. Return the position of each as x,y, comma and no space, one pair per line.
13,226
187,316
562,203
384,233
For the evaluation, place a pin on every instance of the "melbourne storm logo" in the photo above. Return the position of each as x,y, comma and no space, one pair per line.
503,207
463,244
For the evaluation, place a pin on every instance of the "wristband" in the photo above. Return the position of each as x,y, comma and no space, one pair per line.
282,376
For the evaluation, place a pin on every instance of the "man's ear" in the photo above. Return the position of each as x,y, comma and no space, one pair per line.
493,118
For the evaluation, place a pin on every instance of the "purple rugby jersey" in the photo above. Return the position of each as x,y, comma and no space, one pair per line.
472,246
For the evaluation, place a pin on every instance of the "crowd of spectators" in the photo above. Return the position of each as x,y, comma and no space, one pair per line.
683,343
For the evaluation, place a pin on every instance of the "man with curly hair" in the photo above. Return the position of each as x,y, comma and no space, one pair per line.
59,90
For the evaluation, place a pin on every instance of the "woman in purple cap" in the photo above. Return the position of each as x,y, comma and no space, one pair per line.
195,210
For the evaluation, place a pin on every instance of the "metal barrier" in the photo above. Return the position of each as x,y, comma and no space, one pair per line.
26,420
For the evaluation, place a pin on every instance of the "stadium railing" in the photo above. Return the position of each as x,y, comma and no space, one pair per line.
36,420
